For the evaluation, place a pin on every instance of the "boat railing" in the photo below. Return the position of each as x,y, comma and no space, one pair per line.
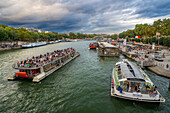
143,90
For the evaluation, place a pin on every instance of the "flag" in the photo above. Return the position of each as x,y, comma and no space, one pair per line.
137,37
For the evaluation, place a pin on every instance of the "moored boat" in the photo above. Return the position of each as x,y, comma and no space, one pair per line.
130,82
53,42
93,45
30,45
37,68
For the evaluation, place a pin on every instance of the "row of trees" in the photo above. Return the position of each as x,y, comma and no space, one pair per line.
145,30
148,33
21,34
114,36
164,40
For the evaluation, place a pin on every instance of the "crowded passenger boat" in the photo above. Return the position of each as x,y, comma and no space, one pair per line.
132,83
38,67
93,45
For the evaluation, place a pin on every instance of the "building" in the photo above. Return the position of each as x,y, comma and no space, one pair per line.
33,30
48,32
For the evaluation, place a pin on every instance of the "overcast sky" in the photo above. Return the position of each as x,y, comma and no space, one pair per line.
86,16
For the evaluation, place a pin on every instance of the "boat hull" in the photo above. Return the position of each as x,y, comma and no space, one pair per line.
136,99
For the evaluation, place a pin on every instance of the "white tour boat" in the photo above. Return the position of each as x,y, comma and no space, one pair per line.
30,45
132,83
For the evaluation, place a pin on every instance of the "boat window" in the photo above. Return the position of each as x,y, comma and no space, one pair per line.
133,84
120,76
122,84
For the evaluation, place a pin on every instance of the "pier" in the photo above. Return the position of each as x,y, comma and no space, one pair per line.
145,57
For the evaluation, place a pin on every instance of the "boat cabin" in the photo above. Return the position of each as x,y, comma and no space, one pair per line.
131,79
106,49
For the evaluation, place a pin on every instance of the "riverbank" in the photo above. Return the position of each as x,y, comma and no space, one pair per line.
4,46
160,71
11,48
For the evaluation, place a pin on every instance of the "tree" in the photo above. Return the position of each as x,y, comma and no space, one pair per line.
161,40
114,37
3,34
41,36
35,36
72,35
166,41
24,35
3,25
123,34
12,33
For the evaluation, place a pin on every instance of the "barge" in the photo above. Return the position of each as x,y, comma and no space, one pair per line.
31,45
130,82
107,50
37,68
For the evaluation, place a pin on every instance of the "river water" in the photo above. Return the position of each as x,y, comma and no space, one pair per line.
82,86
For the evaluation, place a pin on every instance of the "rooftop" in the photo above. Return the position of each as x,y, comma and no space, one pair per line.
131,72
108,45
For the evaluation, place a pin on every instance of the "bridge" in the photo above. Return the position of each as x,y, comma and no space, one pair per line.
98,38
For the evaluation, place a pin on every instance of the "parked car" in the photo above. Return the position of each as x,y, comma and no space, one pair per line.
158,58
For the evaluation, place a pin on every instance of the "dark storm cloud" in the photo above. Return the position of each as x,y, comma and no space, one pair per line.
90,16
156,8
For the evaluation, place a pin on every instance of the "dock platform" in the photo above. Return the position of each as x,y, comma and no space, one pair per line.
160,71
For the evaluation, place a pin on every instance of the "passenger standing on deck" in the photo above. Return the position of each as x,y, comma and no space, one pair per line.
147,87
129,89
135,88
18,64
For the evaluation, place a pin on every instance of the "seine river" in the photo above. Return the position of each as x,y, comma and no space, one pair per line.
82,86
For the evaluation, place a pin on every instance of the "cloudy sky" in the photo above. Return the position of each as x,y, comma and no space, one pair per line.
86,16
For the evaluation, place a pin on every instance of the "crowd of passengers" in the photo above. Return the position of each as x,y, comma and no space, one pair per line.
46,58
148,89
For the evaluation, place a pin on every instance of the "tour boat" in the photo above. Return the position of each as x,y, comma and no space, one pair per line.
30,45
93,45
132,83
53,42
37,68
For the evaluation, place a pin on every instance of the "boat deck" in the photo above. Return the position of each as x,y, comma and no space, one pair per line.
39,77
43,75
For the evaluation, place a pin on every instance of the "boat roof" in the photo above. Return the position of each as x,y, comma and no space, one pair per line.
108,45
134,75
